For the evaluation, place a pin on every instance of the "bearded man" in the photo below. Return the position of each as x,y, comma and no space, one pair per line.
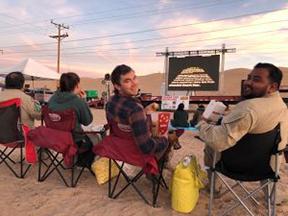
261,110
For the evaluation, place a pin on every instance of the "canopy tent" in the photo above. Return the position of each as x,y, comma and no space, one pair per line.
2,85
31,70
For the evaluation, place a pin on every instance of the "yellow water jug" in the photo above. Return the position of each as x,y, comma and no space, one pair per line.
186,182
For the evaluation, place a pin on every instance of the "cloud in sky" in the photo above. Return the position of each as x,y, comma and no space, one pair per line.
246,34
256,38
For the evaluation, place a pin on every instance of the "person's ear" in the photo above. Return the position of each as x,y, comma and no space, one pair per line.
273,87
116,86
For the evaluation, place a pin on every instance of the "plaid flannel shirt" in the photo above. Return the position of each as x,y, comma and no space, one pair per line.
129,113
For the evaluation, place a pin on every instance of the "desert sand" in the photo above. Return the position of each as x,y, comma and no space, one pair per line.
29,197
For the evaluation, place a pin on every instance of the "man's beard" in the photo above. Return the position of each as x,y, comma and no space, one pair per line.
253,95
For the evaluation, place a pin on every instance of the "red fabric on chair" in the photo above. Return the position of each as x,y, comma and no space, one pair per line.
30,151
60,120
15,101
59,141
120,145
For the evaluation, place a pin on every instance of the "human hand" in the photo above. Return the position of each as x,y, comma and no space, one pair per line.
209,121
37,106
153,107
82,93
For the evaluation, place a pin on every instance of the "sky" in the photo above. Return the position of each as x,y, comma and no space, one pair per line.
103,34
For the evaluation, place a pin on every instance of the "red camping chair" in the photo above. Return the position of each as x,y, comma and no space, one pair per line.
55,138
120,146
12,136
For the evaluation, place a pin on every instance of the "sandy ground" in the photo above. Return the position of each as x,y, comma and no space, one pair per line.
29,197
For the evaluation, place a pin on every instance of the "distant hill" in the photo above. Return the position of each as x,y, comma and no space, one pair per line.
152,83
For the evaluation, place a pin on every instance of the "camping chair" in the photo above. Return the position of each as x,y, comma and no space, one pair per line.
12,137
120,148
249,161
54,139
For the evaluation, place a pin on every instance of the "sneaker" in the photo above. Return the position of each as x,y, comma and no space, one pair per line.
173,140
176,146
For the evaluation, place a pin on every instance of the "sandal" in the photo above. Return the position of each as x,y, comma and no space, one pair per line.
177,146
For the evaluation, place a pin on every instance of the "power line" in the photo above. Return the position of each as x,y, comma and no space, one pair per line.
101,12
128,16
158,45
80,15
15,25
161,28
149,13
176,26
161,38
166,44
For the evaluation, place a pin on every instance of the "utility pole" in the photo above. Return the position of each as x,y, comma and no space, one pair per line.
223,51
166,69
59,37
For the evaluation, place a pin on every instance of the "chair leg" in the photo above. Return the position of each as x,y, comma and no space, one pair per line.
21,163
268,195
212,183
69,176
247,192
18,169
129,182
39,164
157,184
111,192
212,186
75,177
4,156
156,187
72,174
240,201
109,178
274,198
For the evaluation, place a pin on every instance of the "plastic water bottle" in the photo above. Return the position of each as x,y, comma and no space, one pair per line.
186,161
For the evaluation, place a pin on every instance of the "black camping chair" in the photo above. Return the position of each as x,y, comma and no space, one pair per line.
249,161
58,152
286,154
12,137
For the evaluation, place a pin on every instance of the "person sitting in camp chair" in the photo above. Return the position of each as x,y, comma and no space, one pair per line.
260,111
130,140
69,96
30,109
125,109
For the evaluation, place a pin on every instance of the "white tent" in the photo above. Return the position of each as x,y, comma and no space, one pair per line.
1,83
32,70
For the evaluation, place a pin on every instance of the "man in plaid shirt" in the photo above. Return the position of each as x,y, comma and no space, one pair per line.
128,112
